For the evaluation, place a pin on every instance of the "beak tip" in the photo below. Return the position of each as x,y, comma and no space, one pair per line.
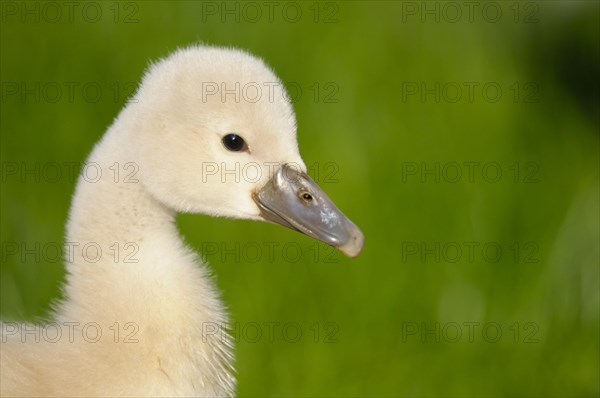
354,245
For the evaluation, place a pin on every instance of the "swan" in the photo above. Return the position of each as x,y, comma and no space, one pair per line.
148,326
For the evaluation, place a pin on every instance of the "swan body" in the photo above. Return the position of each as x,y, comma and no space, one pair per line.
144,324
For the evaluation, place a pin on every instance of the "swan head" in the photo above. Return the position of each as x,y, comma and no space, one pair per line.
213,132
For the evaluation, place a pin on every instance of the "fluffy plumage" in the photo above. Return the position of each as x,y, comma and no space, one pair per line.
165,300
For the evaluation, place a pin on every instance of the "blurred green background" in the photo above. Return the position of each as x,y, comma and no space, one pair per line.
363,69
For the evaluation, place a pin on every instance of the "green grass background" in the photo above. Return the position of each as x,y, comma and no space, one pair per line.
369,51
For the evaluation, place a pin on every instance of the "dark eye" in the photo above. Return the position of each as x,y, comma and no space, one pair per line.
305,196
234,142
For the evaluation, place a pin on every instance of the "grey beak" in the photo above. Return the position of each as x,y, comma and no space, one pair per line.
291,198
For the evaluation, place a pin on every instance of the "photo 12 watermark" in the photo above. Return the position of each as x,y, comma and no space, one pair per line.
54,252
270,252
57,172
272,332
489,12
52,92
469,92
489,252
253,172
470,332
253,92
471,171
325,12
53,12
70,332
